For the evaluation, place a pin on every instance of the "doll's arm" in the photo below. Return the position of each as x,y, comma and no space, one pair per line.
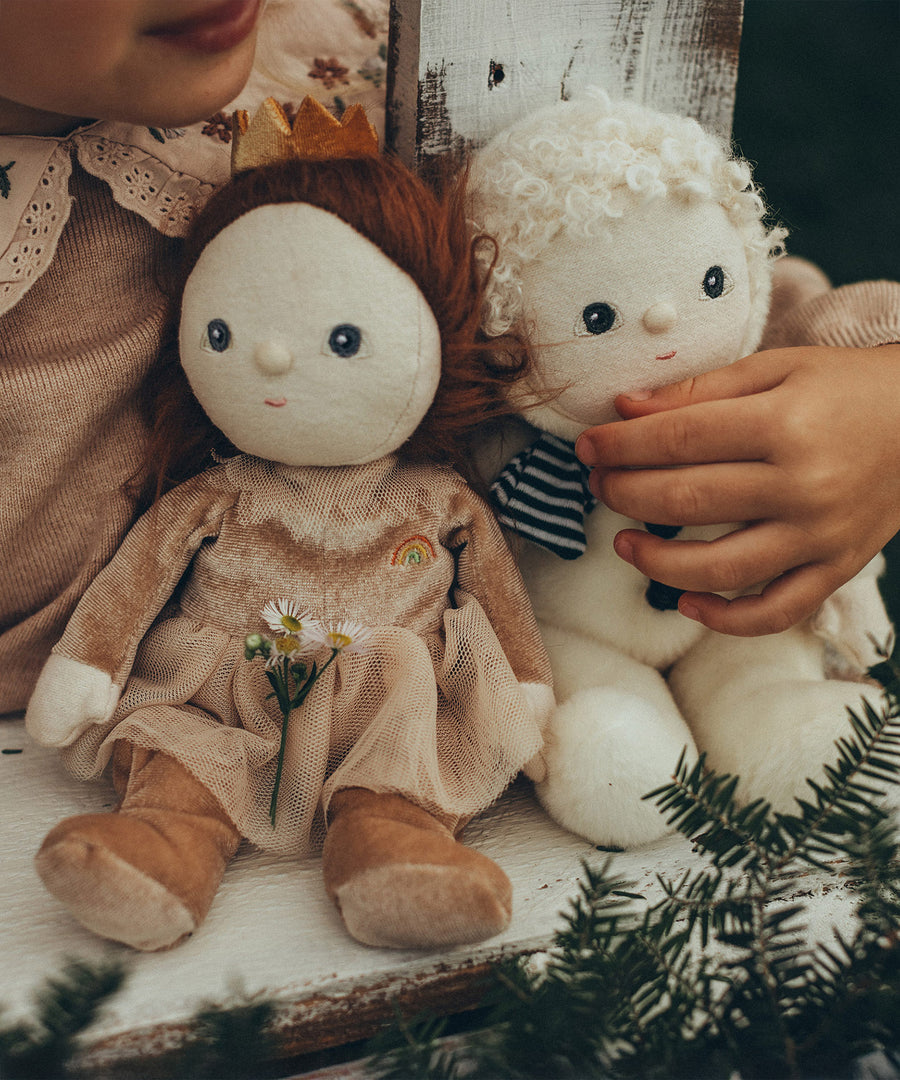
83,678
486,569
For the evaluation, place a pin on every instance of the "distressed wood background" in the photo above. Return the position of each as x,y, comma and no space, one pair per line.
461,71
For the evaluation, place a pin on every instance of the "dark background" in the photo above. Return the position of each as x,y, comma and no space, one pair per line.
818,113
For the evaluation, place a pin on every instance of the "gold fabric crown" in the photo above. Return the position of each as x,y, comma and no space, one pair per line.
315,134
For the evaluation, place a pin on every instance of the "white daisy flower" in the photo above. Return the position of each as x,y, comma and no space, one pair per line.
286,617
346,636
285,647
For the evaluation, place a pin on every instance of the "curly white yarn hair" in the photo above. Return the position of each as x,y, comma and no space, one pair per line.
576,163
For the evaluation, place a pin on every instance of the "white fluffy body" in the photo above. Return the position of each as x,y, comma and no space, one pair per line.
636,686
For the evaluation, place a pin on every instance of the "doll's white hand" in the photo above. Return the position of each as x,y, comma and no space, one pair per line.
69,698
540,699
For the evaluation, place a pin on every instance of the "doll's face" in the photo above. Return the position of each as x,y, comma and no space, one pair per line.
660,294
304,343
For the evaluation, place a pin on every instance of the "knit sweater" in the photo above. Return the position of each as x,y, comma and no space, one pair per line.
81,318
806,310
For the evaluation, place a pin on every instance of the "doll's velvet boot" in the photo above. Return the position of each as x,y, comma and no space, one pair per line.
145,874
401,880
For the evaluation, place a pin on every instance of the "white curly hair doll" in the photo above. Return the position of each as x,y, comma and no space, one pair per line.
633,252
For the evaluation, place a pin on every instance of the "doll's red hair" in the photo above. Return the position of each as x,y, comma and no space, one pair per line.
426,234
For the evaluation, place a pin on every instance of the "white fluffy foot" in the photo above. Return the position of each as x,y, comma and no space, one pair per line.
607,748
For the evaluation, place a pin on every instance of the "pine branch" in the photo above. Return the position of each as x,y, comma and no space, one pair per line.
717,978
66,1007
845,803
701,804
228,1041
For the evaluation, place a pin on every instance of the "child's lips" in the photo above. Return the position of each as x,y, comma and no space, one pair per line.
276,403
214,29
668,355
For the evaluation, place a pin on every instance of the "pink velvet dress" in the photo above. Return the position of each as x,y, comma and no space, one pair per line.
434,709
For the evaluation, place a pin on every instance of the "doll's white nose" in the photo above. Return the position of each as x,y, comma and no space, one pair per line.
660,317
272,358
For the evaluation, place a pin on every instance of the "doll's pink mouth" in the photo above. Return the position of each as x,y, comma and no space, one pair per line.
668,355
276,403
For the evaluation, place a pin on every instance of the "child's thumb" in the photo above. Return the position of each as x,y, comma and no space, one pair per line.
749,375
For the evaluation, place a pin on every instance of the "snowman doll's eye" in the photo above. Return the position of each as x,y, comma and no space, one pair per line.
716,282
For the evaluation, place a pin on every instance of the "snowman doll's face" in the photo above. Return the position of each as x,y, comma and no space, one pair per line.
657,295
304,343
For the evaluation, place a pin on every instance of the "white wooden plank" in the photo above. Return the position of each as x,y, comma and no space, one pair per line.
273,931
462,71
271,927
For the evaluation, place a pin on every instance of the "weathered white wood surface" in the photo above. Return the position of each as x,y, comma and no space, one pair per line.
273,931
462,71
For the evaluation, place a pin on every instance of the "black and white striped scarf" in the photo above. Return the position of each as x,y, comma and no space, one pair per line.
543,495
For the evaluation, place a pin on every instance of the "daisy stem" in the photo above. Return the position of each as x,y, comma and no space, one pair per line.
288,704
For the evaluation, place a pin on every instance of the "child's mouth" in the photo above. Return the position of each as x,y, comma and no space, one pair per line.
213,30
276,403
668,355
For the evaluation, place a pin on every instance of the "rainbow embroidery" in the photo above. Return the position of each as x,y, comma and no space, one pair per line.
413,551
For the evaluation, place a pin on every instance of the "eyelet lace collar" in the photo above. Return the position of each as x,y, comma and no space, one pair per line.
163,176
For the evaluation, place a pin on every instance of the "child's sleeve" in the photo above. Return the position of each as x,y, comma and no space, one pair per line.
862,315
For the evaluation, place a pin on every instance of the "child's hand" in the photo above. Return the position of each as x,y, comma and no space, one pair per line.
803,444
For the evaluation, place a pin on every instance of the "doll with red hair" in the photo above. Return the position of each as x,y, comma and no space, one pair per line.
330,360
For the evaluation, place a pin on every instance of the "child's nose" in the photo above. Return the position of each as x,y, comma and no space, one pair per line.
272,358
658,318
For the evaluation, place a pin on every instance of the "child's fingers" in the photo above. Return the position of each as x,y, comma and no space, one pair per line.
740,560
750,375
783,603
696,495
707,432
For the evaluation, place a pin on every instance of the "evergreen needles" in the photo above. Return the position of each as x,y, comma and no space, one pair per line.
229,1041
717,979
66,1006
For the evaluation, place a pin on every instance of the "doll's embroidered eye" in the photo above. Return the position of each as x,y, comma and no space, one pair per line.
598,318
345,340
218,335
716,282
